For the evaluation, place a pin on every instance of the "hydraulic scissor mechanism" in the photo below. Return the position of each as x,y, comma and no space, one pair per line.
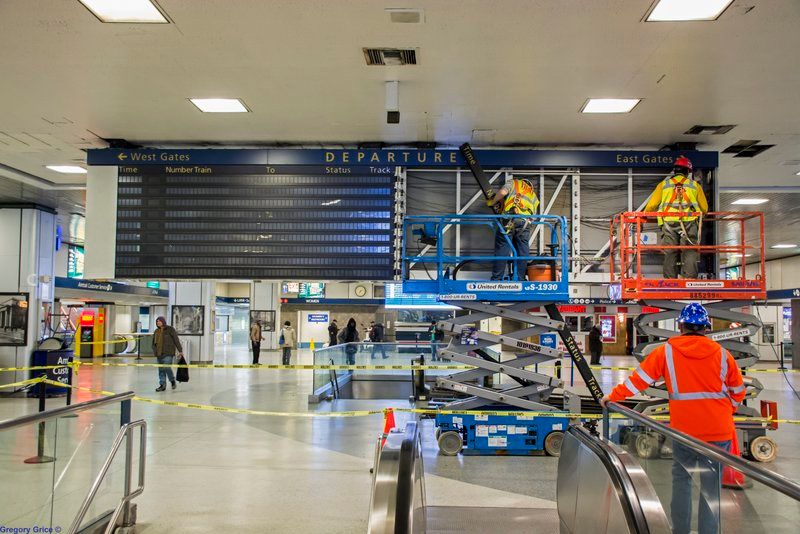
526,389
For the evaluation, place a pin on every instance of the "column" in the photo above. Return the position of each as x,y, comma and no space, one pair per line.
265,296
795,333
192,298
27,253
101,222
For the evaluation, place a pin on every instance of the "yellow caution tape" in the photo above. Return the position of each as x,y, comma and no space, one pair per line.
294,367
364,413
24,382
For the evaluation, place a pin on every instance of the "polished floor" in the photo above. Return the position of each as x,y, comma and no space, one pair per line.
213,472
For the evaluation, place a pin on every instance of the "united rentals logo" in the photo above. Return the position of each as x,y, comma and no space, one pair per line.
494,286
704,284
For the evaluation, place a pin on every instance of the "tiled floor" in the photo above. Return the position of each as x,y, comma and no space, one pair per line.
214,472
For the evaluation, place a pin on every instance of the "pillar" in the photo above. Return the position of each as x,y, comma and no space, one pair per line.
795,333
200,347
27,254
266,296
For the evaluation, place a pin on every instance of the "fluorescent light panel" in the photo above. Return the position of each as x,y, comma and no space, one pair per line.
784,245
67,169
219,105
750,201
683,10
610,105
131,11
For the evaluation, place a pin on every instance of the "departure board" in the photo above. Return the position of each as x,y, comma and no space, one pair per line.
253,222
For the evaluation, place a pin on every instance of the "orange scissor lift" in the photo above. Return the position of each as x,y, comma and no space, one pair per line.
740,235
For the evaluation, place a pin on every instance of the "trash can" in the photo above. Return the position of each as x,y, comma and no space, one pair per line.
59,374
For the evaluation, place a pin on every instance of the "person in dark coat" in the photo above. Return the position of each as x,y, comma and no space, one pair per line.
377,337
595,345
350,336
165,343
333,331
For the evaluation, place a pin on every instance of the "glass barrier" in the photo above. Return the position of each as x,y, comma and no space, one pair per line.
699,493
49,461
375,354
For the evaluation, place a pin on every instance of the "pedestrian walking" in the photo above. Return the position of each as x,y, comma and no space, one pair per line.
256,337
333,332
595,345
165,343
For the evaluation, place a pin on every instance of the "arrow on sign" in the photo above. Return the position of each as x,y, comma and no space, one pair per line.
122,157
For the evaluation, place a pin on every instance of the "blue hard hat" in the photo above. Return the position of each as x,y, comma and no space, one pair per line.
694,313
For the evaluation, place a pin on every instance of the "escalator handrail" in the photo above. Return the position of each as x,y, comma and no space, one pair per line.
404,499
768,478
618,473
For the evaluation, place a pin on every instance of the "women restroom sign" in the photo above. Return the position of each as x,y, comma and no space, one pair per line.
317,318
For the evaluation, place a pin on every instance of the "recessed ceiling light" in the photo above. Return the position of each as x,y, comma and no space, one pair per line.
67,169
219,105
681,10
797,173
750,201
784,245
610,105
131,11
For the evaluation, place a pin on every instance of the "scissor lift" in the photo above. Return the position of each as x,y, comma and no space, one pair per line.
509,299
721,297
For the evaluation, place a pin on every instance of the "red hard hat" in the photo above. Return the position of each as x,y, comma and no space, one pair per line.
683,161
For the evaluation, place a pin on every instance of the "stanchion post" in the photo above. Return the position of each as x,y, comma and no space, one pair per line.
783,366
69,385
138,347
40,457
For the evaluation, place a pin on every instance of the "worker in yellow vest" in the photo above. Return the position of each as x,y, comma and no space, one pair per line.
518,198
683,196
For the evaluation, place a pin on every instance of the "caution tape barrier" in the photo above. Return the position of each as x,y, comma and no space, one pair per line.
23,383
364,413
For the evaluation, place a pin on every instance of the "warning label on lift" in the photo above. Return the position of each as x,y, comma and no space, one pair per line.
494,286
457,296
705,284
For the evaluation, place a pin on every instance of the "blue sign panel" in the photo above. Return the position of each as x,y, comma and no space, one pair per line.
381,161
317,317
108,287
784,293
548,340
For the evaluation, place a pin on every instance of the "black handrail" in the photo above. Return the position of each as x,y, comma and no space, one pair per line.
768,478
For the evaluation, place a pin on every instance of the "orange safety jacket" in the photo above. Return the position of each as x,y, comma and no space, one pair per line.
704,384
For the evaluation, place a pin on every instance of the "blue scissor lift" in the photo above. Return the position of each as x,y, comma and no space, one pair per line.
444,274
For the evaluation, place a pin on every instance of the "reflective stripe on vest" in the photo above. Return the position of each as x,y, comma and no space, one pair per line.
679,194
675,393
523,201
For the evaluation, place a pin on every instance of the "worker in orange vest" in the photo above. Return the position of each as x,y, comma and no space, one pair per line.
683,196
705,388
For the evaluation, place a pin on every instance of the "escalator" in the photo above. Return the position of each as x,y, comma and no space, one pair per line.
599,490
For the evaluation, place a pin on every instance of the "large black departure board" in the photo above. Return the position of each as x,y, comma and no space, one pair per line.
190,221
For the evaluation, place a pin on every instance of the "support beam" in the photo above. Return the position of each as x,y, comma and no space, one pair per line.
550,203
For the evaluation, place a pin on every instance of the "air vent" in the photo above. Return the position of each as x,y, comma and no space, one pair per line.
390,56
700,129
404,15
746,148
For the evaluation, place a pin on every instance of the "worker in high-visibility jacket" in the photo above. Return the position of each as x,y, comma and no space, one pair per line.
518,198
705,388
685,197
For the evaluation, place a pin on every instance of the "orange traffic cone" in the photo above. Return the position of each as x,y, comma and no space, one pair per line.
731,478
388,423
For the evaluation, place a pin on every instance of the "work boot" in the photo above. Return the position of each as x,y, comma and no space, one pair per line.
162,387
174,384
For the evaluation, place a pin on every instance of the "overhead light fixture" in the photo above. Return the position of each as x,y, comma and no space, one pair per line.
683,10
750,201
797,173
67,169
130,11
610,105
219,105
784,245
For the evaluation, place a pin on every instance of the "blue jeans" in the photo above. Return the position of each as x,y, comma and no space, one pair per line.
165,372
378,347
686,462
434,351
519,236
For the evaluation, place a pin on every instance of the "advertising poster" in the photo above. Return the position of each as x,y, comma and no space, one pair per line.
608,328
188,320
13,319
267,318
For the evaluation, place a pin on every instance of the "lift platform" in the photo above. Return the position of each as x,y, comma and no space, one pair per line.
634,234
443,272
741,235
441,269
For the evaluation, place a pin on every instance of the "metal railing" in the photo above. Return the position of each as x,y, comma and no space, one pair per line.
768,478
125,435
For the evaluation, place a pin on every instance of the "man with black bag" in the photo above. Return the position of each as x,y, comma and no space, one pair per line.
165,343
